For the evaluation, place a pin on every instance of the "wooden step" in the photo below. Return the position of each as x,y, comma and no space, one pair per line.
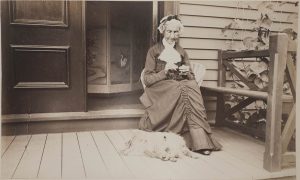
17,124
101,114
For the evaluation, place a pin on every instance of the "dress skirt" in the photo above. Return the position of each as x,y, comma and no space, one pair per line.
177,106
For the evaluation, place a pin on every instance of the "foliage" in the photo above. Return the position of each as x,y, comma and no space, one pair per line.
262,26
257,71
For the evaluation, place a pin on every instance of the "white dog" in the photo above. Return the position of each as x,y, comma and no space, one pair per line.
166,146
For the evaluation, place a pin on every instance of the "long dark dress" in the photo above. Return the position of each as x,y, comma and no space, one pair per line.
175,106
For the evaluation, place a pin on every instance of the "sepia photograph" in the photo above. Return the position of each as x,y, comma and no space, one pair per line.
149,90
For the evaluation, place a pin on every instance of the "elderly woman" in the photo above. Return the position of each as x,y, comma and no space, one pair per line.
172,98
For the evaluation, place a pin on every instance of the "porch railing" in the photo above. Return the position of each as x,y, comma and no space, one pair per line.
280,52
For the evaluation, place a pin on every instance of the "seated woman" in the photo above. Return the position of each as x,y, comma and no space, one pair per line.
172,98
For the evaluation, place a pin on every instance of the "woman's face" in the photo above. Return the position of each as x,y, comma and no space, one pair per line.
171,33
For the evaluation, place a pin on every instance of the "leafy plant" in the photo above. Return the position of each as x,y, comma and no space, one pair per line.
257,71
261,26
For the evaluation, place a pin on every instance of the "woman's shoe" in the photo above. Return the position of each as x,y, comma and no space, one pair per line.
204,151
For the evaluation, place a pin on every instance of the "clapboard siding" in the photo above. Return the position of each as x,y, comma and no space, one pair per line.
213,33
221,22
216,33
209,64
213,44
287,7
227,12
201,53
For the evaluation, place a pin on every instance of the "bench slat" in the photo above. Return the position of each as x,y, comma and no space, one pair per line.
244,92
245,54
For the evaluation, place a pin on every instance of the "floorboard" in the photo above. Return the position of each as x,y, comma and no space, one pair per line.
240,150
239,165
92,159
12,157
138,169
159,170
72,165
229,171
253,145
203,169
52,158
29,166
5,143
97,155
114,163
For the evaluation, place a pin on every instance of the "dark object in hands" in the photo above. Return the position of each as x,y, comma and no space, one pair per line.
177,75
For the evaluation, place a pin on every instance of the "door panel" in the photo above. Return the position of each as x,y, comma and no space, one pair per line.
43,56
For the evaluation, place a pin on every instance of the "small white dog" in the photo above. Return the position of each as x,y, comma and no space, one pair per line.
166,146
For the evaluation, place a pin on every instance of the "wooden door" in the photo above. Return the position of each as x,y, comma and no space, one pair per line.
43,56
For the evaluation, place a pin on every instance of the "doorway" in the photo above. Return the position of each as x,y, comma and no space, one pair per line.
118,35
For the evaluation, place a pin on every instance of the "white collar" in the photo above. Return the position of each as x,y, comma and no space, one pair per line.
169,54
167,45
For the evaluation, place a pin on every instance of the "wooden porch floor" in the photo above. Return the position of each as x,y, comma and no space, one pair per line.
95,154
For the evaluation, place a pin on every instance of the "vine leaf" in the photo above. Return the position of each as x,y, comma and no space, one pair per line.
237,115
258,67
266,22
234,24
259,104
237,23
226,28
249,42
286,88
264,77
294,19
266,7
247,115
251,76
228,98
291,33
258,82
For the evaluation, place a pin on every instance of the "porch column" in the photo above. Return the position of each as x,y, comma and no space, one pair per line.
278,55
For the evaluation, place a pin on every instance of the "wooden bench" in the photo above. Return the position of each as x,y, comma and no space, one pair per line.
276,141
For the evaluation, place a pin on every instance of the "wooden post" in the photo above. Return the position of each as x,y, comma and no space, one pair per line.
288,130
170,7
220,96
278,56
154,23
291,74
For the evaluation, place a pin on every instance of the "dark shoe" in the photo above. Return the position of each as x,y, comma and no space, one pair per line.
204,151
